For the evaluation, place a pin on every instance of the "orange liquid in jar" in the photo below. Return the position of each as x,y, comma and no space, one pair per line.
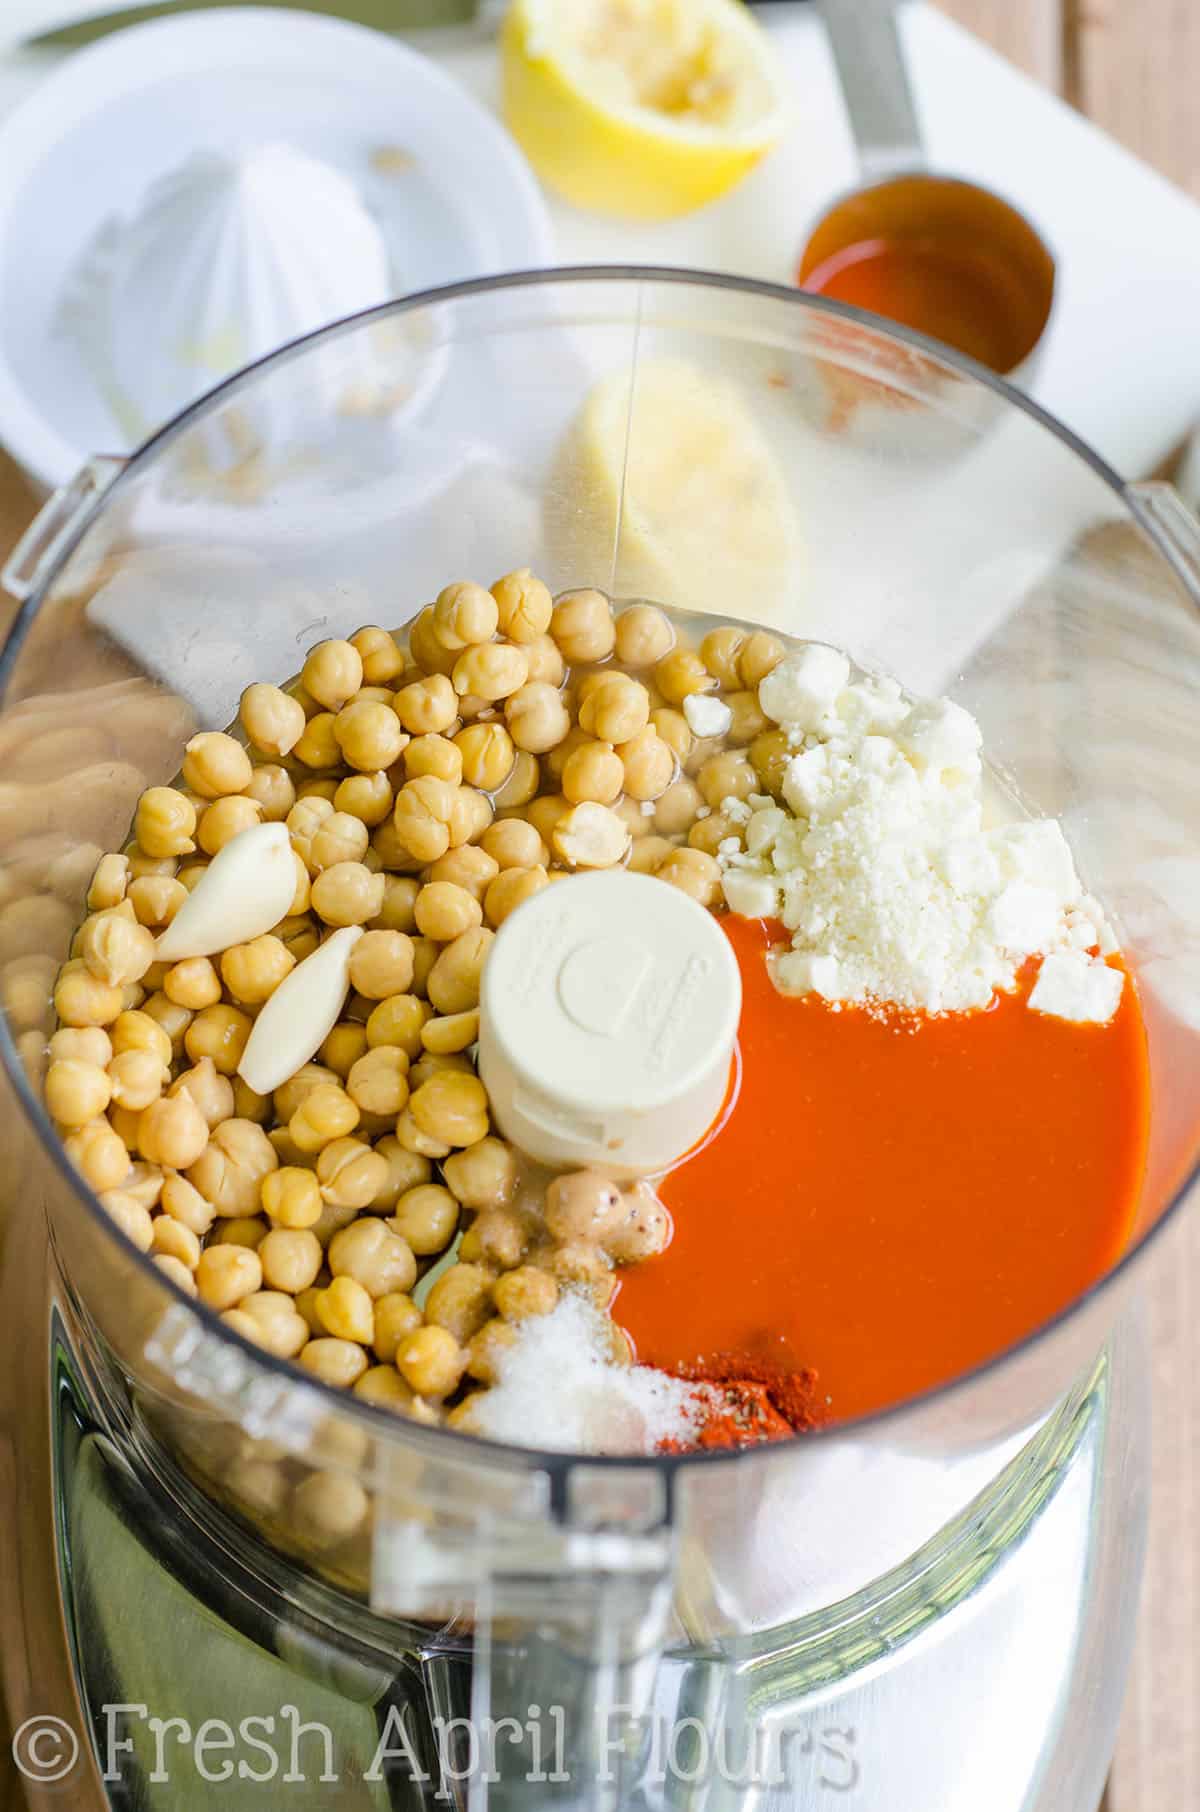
894,1200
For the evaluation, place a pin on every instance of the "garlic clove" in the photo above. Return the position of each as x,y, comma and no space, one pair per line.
245,891
300,1015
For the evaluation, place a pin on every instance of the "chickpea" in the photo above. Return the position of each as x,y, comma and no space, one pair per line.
760,655
695,872
464,615
444,911
431,1362
318,747
485,1353
648,855
115,950
344,1046
319,787
513,843
510,890
456,1032
492,671
399,898
278,1326
272,787
124,1123
109,883
525,1292
675,811
369,735
747,718
273,721
648,765
546,663
618,711
332,673
77,1092
382,660
80,999
346,1311
470,815
582,626
427,706
467,868
460,1301
643,636
172,1131
425,955
218,1032
436,755
156,899
583,1205
590,836
136,1079
229,1172
299,936
183,1202
325,1114
499,1238
371,1252
378,1082
338,838
227,1274
406,1170
226,819
337,1362
708,834
175,1240
249,1104
770,754
304,821
422,817
643,1229
253,971
290,1258
398,1021
726,776
98,1154
487,755
141,1031
583,1266
396,1316
164,823
383,1386
453,983
292,1198
537,717
673,727
130,1216
720,651
347,894
367,797
593,772
545,814
426,1218
141,862
523,781
214,764
85,1044
192,983
426,647
681,674
177,1273
350,1174
525,606
484,1175
428,1064
145,1184
415,1139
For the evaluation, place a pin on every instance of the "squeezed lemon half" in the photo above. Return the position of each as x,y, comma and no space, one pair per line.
641,108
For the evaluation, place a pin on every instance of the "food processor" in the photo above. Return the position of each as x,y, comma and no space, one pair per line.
226,1584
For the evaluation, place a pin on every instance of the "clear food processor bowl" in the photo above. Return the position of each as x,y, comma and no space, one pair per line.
715,445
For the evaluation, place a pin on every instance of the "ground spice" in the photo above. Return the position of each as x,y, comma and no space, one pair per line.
756,1402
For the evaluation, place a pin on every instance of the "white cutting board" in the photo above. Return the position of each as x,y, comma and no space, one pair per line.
1122,363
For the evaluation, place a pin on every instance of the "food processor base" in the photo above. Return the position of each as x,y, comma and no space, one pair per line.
993,1682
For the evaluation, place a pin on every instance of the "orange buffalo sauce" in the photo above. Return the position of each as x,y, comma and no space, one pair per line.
894,1200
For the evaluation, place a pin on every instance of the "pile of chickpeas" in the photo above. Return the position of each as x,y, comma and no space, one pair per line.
429,784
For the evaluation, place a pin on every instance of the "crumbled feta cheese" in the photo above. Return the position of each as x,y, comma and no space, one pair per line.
1073,985
1024,918
804,686
800,972
706,716
751,896
939,734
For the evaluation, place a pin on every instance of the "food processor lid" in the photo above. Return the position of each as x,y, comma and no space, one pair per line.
608,1015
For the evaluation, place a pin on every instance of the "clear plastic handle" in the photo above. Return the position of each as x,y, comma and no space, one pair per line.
1176,528
45,540
865,39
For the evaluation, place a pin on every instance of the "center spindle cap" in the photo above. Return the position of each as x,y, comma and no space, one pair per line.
608,1015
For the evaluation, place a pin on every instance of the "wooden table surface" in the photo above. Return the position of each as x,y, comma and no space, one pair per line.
1134,67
